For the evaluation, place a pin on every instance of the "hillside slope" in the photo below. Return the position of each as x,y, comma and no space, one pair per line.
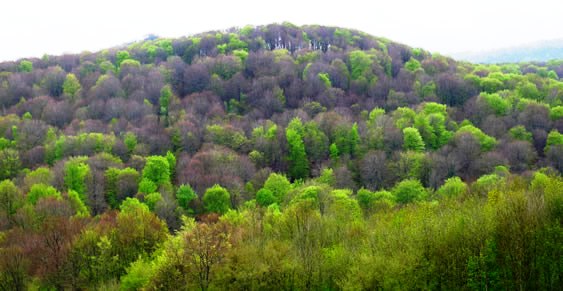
279,157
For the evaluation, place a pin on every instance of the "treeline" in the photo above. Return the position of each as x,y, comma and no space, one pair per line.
292,157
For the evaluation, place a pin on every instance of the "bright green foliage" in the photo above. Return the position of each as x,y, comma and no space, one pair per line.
404,117
129,63
412,140
278,185
373,201
529,90
4,143
265,197
25,66
39,191
435,108
164,100
556,113
147,186
236,44
299,165
77,173
552,75
171,158
325,78
40,175
138,275
121,56
217,199
487,183
498,104
10,200
487,142
409,190
431,124
327,177
374,113
152,199
77,204
453,187
554,138
185,194
519,132
360,64
130,140
412,65
491,85
354,140
133,205
137,233
241,54
71,86
106,67
334,153
9,163
343,208
157,169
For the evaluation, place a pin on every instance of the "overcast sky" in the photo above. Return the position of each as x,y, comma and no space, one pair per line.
32,28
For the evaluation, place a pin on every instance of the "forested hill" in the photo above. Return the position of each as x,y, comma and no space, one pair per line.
291,157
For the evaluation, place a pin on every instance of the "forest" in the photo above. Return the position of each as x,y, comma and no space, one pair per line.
279,157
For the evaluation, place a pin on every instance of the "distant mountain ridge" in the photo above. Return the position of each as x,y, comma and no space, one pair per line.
538,51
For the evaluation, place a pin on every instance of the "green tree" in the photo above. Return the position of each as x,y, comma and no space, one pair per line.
265,197
519,132
147,186
499,105
77,204
185,194
71,86
152,199
409,190
217,199
10,200
325,78
412,139
334,153
164,100
9,163
412,65
157,169
121,56
486,142
279,185
453,187
39,191
77,173
373,201
130,140
554,138
299,165
360,64
171,158
25,66
354,140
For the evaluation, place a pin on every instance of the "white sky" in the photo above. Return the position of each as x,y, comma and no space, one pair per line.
32,28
